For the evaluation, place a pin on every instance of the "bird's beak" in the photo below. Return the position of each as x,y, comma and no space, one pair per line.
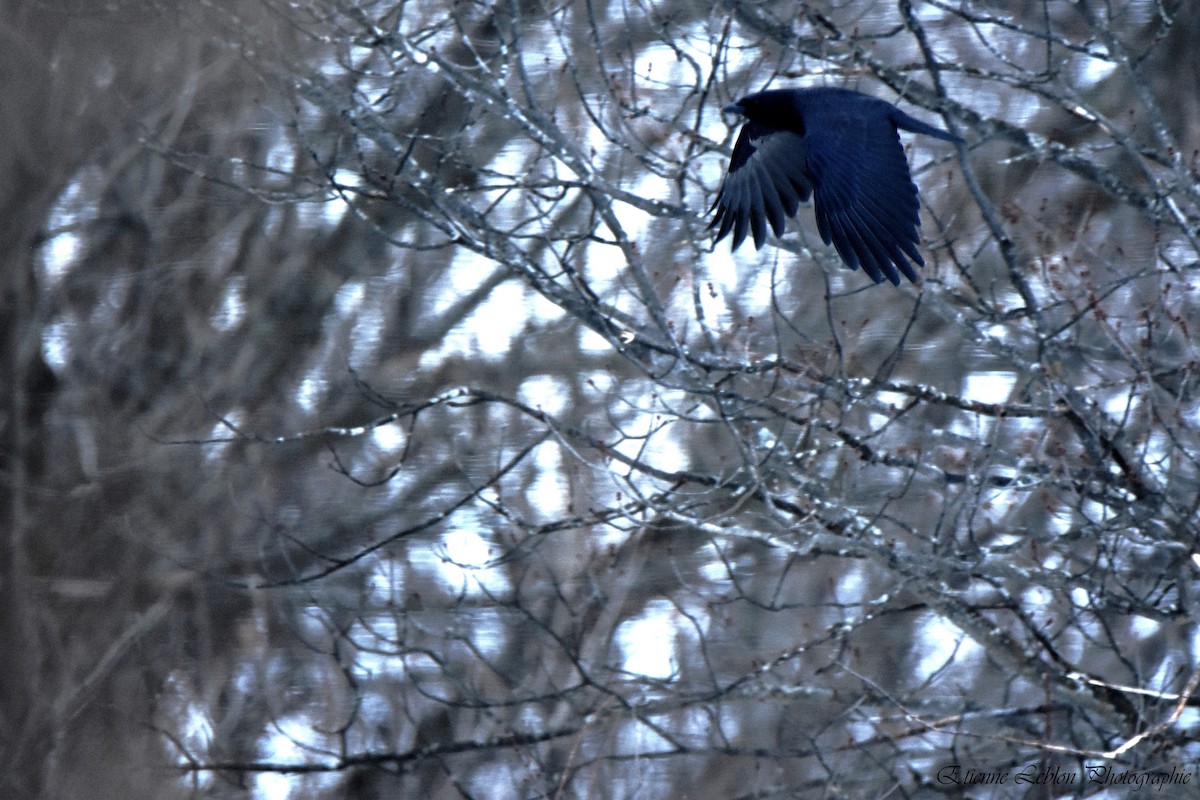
735,109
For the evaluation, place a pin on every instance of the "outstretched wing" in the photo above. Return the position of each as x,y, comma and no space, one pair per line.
865,200
766,184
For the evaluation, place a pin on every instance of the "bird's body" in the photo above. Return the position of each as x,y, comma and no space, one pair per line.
843,148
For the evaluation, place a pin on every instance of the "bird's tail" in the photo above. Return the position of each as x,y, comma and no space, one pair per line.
906,123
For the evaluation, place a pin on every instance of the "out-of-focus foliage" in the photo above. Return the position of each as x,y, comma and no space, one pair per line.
379,421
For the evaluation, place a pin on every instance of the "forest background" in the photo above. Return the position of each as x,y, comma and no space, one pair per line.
378,419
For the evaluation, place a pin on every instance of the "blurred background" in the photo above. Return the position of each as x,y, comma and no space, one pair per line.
378,419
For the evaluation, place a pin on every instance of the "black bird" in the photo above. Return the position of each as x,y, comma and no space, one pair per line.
841,146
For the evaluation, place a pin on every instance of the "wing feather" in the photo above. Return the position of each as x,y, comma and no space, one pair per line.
863,190
765,184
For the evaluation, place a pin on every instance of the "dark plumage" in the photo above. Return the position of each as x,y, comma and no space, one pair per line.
842,147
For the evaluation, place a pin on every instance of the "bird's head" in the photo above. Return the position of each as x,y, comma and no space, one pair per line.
774,107
734,109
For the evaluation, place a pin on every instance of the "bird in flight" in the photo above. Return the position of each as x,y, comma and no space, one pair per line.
843,148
